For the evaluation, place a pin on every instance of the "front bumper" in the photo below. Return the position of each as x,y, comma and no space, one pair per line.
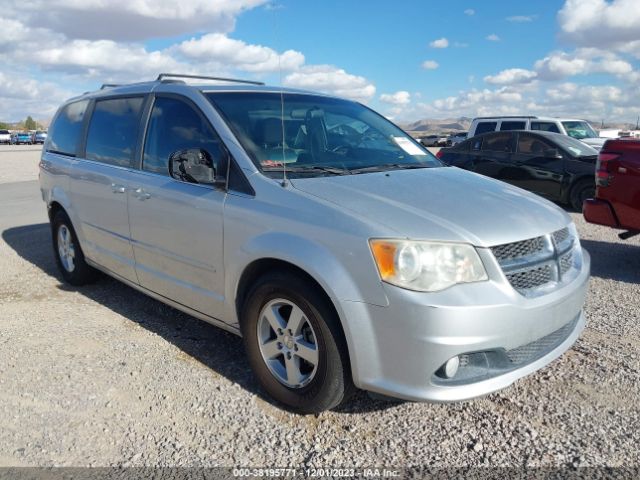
396,350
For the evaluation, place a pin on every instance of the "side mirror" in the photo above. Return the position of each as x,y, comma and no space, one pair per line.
552,153
195,165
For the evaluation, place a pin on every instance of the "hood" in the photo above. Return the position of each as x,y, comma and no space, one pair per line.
441,204
596,143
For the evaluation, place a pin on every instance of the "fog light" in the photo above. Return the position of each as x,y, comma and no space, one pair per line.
450,368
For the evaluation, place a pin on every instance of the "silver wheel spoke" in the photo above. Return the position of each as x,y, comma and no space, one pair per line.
270,349
296,320
274,318
294,377
307,351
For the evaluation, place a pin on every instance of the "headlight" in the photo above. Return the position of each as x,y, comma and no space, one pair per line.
426,266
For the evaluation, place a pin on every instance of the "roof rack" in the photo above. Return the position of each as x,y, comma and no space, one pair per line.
109,85
162,76
506,116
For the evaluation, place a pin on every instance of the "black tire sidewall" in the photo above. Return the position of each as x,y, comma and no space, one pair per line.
331,382
578,193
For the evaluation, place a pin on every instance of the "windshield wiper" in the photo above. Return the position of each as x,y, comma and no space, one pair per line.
309,169
388,166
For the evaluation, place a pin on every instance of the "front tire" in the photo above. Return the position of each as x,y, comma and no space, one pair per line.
582,190
294,343
69,256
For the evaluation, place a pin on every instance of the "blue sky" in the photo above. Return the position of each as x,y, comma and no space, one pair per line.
408,59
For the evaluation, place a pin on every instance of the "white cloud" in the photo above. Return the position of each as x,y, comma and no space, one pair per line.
21,96
583,61
511,76
521,18
600,23
493,38
439,43
399,98
330,79
430,65
128,19
218,47
470,11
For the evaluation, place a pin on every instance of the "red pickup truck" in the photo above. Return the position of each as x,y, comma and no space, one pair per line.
617,202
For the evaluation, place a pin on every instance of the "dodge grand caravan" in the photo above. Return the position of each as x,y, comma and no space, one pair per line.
341,250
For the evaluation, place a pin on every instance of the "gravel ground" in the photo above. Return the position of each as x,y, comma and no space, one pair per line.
104,376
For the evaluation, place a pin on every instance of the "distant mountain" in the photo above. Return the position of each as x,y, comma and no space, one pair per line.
430,126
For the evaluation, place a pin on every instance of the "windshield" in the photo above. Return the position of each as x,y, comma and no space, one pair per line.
575,147
322,135
579,130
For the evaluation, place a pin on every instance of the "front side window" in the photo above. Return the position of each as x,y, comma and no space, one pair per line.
533,145
67,128
545,127
312,135
113,131
484,127
175,125
500,142
511,125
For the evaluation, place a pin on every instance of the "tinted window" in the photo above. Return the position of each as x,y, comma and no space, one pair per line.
175,125
512,125
113,131
484,127
533,145
67,128
500,142
462,146
545,127
4,132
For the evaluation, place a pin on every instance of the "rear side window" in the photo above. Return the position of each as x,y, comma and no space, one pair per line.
545,127
462,146
4,132
500,142
174,125
510,125
113,131
67,128
484,127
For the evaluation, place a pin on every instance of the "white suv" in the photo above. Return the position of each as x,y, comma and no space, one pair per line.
575,128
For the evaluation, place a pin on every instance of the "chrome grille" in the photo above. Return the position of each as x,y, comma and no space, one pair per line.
518,249
566,262
561,235
527,353
530,278
535,265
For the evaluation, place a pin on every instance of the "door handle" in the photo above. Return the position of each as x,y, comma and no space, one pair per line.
141,194
115,188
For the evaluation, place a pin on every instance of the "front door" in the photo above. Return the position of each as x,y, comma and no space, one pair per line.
176,227
541,166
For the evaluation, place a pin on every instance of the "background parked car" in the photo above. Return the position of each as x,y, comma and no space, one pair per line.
617,202
456,138
5,136
23,138
40,136
574,128
430,140
555,166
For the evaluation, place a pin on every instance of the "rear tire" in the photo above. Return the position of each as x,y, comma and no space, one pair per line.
69,256
582,190
309,329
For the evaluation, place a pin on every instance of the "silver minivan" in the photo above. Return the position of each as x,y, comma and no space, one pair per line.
344,253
